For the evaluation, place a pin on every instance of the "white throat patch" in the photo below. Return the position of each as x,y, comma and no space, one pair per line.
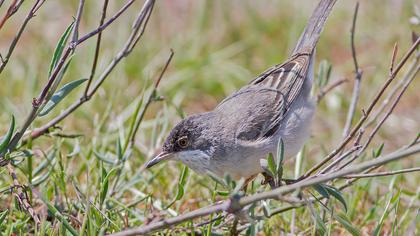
196,160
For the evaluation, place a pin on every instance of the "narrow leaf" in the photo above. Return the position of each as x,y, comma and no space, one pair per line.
3,216
105,181
280,158
336,194
321,190
345,222
271,164
59,95
59,48
6,139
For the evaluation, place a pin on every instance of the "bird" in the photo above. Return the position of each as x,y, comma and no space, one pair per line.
246,126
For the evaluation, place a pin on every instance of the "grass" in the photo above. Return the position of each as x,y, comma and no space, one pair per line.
89,183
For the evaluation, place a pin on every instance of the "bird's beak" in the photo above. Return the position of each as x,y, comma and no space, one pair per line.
161,157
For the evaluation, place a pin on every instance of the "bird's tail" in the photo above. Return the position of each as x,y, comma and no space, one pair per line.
313,29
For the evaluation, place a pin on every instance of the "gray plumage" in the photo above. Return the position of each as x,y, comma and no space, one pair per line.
248,124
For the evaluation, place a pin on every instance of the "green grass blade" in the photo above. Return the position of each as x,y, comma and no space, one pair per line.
3,216
57,214
345,222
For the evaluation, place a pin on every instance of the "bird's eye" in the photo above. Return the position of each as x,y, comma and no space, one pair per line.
183,142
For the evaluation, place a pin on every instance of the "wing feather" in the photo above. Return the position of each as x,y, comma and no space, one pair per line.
268,97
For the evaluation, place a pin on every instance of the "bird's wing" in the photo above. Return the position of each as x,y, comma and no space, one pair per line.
264,102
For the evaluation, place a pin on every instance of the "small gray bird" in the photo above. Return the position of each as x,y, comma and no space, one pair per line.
246,126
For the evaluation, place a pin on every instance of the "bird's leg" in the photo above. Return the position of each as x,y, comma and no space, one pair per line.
268,180
247,181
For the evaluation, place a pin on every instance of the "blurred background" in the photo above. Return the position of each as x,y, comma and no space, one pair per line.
219,46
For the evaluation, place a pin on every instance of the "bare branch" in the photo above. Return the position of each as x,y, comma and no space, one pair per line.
145,14
329,88
394,91
8,13
147,9
97,47
20,195
77,22
386,173
15,40
273,194
365,113
358,78
150,99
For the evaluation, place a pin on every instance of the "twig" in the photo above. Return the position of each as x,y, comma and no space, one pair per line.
382,121
150,98
365,113
141,22
77,23
15,40
386,173
339,159
226,206
329,88
137,121
394,91
8,13
97,47
21,196
358,77
106,24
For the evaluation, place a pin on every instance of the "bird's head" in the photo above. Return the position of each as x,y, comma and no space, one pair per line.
190,141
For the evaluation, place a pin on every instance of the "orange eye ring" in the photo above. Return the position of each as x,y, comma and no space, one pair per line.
183,141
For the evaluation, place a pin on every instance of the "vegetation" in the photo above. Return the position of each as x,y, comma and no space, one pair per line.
91,88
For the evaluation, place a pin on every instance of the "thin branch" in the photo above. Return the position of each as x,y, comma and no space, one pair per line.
145,14
385,173
366,113
106,24
358,77
394,91
382,121
77,23
8,13
151,97
21,195
97,47
37,5
273,194
329,88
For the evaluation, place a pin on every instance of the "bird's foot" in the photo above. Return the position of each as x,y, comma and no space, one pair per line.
268,179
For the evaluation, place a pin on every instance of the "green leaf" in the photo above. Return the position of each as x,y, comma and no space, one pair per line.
378,151
59,48
320,226
336,194
59,95
6,139
345,222
271,164
181,184
280,158
321,190
324,73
